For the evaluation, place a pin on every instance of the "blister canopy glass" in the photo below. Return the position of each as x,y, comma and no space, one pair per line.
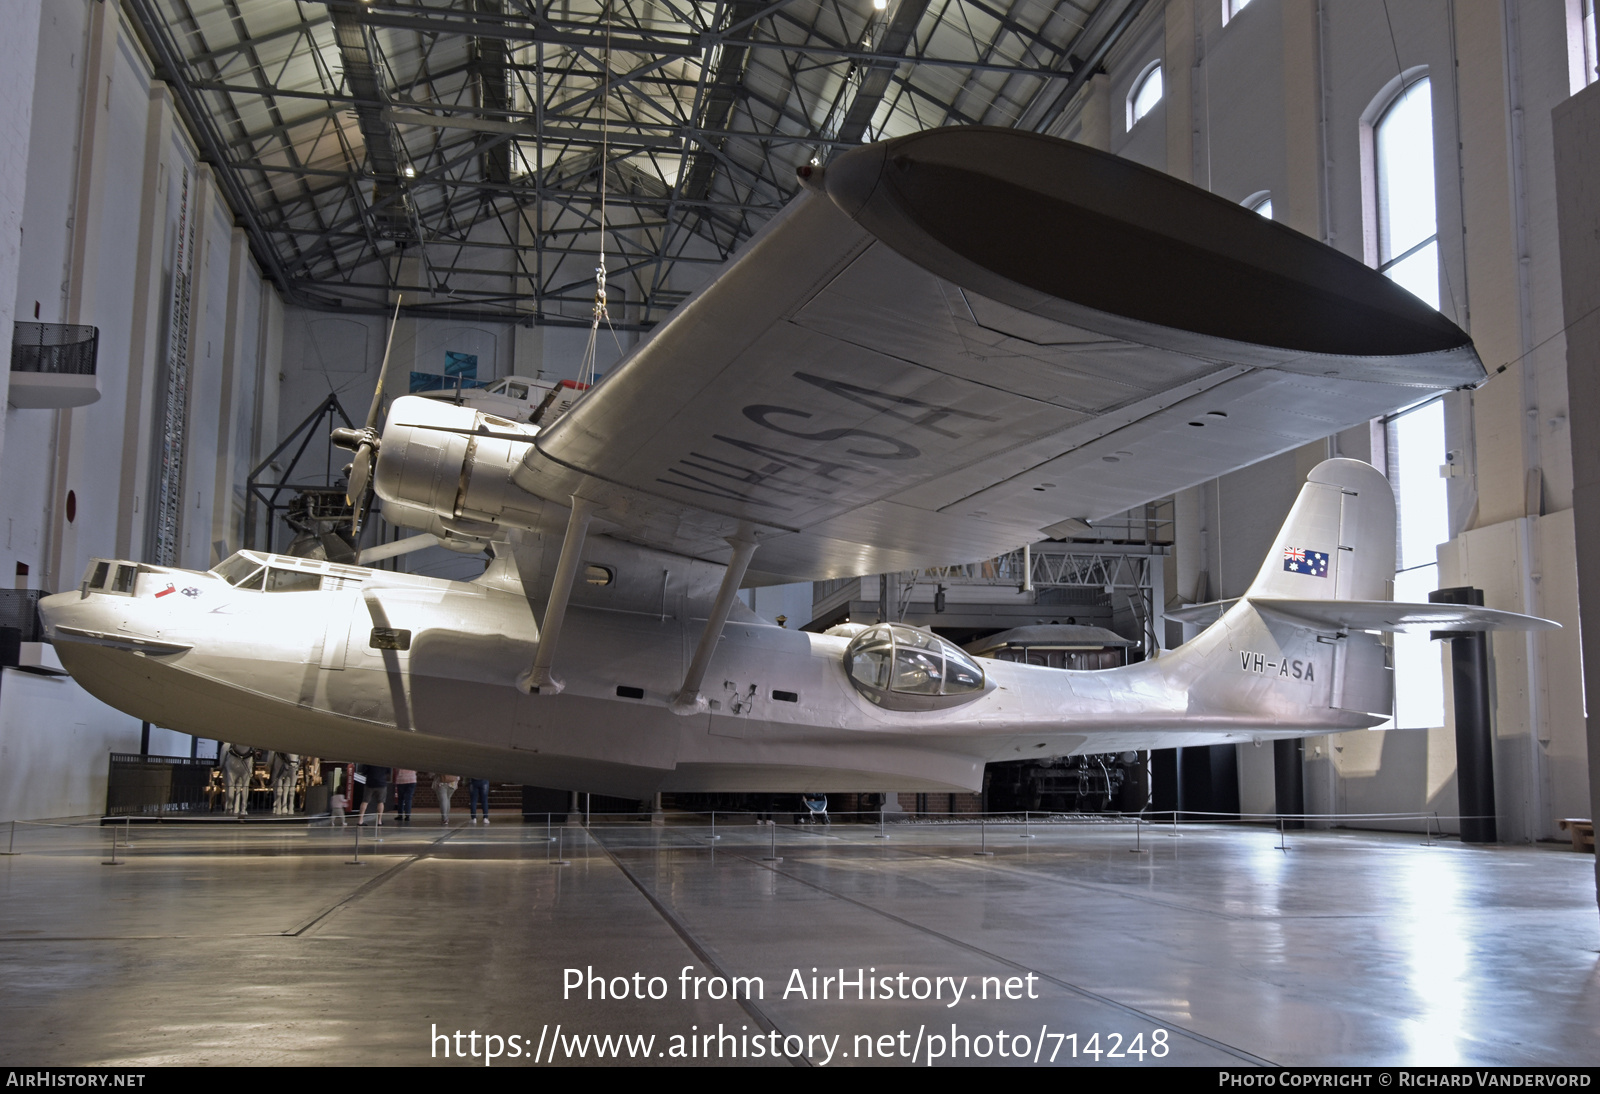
902,668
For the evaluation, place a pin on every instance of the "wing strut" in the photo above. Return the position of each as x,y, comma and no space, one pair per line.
538,677
689,700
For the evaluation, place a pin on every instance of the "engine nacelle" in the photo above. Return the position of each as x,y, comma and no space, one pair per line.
446,469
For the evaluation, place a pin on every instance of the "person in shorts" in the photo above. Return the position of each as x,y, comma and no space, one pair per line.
377,790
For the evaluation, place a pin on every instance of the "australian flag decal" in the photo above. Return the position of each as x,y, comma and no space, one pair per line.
1298,561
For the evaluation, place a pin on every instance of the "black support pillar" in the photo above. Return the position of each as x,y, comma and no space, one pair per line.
1288,759
1469,675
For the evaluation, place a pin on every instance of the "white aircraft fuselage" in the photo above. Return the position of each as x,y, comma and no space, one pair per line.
298,671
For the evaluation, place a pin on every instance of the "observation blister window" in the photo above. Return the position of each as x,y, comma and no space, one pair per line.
902,668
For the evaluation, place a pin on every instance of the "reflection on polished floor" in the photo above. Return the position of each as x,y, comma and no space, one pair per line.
262,945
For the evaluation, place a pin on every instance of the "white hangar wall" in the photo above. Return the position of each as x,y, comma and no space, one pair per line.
1279,101
97,176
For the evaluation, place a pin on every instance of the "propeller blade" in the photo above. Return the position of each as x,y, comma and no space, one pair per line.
365,441
360,476
377,395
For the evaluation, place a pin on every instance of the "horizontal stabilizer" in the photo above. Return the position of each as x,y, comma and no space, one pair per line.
1385,615
1201,615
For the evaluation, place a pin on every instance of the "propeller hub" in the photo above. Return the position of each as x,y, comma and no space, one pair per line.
352,439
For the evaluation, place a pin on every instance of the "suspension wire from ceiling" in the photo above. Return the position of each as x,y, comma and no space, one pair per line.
586,370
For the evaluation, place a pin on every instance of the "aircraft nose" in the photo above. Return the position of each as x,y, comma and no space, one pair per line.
54,608
79,613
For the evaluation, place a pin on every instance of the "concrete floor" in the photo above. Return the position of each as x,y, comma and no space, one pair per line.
261,945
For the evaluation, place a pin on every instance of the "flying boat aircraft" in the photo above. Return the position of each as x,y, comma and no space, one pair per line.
947,345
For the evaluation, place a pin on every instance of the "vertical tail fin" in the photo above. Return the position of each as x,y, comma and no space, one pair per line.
1338,541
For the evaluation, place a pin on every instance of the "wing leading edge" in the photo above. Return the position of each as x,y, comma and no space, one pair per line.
950,342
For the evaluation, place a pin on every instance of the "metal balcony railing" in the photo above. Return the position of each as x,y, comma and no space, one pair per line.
62,348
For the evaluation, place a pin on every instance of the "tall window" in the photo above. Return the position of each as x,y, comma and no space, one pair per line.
1416,449
1591,54
1408,229
1230,8
1145,95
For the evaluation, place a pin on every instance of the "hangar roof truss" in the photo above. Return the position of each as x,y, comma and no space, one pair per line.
451,150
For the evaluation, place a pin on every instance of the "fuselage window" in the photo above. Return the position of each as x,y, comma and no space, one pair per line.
123,582
102,570
517,391
389,638
598,575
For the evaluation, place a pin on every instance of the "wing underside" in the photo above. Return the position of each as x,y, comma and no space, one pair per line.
917,363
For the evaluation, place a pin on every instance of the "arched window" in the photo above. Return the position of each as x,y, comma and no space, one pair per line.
1145,95
1259,202
1407,227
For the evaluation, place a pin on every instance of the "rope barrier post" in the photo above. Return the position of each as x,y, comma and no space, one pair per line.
11,847
113,860
1138,832
983,840
561,847
714,836
882,833
1283,839
1174,833
772,842
1027,824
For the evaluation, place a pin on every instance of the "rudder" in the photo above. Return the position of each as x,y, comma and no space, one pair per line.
1338,540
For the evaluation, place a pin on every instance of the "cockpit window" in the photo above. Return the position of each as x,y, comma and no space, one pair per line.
110,576
236,569
517,391
292,581
902,668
